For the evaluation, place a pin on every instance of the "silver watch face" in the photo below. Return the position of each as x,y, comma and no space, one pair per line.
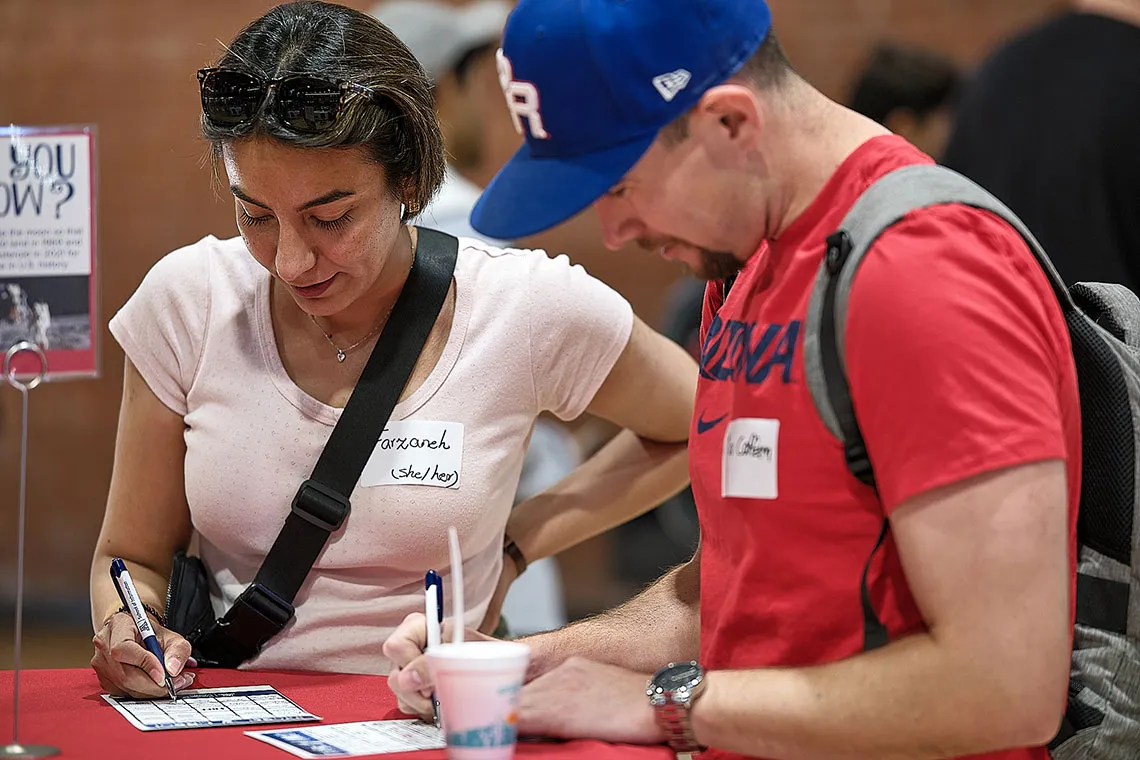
678,677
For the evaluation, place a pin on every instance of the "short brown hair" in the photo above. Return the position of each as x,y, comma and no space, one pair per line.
397,124
766,69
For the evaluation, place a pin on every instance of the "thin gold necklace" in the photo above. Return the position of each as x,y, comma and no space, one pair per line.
342,353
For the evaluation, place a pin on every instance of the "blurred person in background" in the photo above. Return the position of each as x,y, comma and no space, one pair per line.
456,45
910,91
1051,126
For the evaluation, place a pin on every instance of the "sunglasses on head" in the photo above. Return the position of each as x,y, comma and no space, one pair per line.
303,103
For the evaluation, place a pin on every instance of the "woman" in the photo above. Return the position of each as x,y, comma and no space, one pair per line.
242,352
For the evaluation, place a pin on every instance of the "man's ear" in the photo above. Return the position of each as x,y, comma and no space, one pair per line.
730,119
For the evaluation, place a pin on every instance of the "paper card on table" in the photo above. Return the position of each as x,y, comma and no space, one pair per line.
376,737
748,469
211,708
416,453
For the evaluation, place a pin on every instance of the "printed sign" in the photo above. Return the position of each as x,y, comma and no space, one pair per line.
47,249
416,453
749,464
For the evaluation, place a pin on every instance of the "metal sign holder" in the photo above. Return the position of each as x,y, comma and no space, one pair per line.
16,749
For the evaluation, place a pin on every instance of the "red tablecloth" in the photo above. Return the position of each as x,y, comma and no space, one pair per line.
64,708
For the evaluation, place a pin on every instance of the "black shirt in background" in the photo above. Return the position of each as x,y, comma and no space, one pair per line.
1051,126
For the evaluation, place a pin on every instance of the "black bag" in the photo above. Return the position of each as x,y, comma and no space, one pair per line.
188,608
321,505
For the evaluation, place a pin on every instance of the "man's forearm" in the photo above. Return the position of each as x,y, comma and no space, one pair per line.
626,478
910,700
659,625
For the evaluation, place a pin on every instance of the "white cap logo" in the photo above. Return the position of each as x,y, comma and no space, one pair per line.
522,99
668,85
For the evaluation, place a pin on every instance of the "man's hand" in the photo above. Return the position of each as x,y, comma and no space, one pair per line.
409,678
494,610
581,699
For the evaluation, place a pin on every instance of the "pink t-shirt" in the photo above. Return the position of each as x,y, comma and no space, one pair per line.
530,334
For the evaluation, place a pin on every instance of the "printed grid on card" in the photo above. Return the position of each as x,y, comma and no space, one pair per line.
208,708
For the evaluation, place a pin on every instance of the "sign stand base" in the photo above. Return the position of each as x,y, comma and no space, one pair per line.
28,750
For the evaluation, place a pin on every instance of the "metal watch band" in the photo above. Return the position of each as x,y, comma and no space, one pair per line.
672,691
674,720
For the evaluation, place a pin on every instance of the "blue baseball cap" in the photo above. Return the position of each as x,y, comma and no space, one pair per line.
590,83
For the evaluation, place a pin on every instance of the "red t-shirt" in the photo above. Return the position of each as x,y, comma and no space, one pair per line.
959,363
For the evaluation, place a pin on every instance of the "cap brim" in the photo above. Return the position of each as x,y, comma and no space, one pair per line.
531,194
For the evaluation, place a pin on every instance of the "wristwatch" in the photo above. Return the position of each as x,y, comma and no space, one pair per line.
671,692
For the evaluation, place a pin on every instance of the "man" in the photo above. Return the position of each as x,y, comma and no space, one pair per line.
1051,125
683,124
910,91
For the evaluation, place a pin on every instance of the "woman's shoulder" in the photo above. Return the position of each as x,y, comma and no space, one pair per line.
554,292
191,281
484,253
503,266
162,327
195,263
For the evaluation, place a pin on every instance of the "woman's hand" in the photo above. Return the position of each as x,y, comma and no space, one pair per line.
508,576
125,667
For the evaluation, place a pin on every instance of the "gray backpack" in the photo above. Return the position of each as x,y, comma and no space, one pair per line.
1103,717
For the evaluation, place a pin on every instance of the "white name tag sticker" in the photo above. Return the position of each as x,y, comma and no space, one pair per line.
416,453
748,468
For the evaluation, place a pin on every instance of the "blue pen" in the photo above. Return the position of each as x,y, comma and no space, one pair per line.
130,597
433,603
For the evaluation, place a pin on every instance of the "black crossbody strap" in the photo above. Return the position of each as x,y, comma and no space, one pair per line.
322,502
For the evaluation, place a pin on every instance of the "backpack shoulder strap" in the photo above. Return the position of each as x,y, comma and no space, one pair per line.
881,206
885,203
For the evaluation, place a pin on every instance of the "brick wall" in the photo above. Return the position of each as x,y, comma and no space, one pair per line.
827,39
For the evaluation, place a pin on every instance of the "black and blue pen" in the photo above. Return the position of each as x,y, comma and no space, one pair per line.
130,598
433,589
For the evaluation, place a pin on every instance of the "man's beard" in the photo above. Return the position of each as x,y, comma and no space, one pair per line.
718,265
714,265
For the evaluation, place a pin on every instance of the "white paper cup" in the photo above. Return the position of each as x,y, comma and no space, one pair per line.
477,684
